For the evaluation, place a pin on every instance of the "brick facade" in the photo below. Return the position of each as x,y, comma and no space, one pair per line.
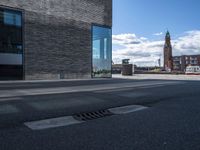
181,62
57,35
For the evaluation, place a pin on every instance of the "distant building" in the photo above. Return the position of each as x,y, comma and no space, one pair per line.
177,61
116,68
181,62
168,62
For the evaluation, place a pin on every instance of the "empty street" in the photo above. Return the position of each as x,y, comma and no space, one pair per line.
111,114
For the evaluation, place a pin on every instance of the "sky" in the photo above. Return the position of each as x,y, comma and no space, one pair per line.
139,28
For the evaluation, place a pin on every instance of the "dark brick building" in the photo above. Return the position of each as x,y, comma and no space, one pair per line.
181,62
55,39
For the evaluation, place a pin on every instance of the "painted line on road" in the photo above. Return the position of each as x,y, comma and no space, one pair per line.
130,88
71,120
10,99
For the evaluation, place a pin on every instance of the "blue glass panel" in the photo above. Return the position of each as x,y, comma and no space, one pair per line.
8,18
11,32
96,49
12,18
102,51
18,20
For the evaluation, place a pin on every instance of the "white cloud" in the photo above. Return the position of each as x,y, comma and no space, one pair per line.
144,52
127,39
188,44
158,34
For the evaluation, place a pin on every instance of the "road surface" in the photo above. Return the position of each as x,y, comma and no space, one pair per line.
170,120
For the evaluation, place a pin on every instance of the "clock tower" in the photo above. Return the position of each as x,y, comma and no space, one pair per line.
168,61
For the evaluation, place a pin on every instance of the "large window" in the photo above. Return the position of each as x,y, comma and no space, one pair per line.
11,31
11,45
12,18
102,51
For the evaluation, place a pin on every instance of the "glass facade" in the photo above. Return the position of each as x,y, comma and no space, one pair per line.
102,52
11,43
10,31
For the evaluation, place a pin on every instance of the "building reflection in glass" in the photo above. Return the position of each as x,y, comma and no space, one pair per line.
11,45
102,52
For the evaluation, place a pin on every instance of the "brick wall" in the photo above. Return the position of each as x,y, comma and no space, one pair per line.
57,35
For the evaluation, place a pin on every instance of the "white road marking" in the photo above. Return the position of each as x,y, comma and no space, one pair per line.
133,94
130,88
52,123
126,109
10,99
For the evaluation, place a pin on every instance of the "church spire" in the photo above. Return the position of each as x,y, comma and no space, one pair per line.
168,38
168,61
167,34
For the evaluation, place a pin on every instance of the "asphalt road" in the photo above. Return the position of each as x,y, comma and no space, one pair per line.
171,121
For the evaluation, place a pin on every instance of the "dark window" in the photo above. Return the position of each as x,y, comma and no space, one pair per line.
11,44
10,31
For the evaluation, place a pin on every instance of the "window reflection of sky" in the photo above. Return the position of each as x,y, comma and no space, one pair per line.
12,18
102,51
11,48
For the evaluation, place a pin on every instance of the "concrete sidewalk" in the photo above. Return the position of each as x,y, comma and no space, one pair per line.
159,77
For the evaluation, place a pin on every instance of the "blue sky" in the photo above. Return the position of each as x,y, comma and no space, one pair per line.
146,21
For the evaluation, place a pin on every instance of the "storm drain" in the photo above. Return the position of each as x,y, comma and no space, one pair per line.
80,118
92,115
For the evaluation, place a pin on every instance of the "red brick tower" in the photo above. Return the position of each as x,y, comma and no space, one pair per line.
168,61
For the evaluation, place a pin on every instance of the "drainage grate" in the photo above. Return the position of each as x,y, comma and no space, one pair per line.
92,115
80,118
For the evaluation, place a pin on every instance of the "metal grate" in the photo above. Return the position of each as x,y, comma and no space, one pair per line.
92,115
